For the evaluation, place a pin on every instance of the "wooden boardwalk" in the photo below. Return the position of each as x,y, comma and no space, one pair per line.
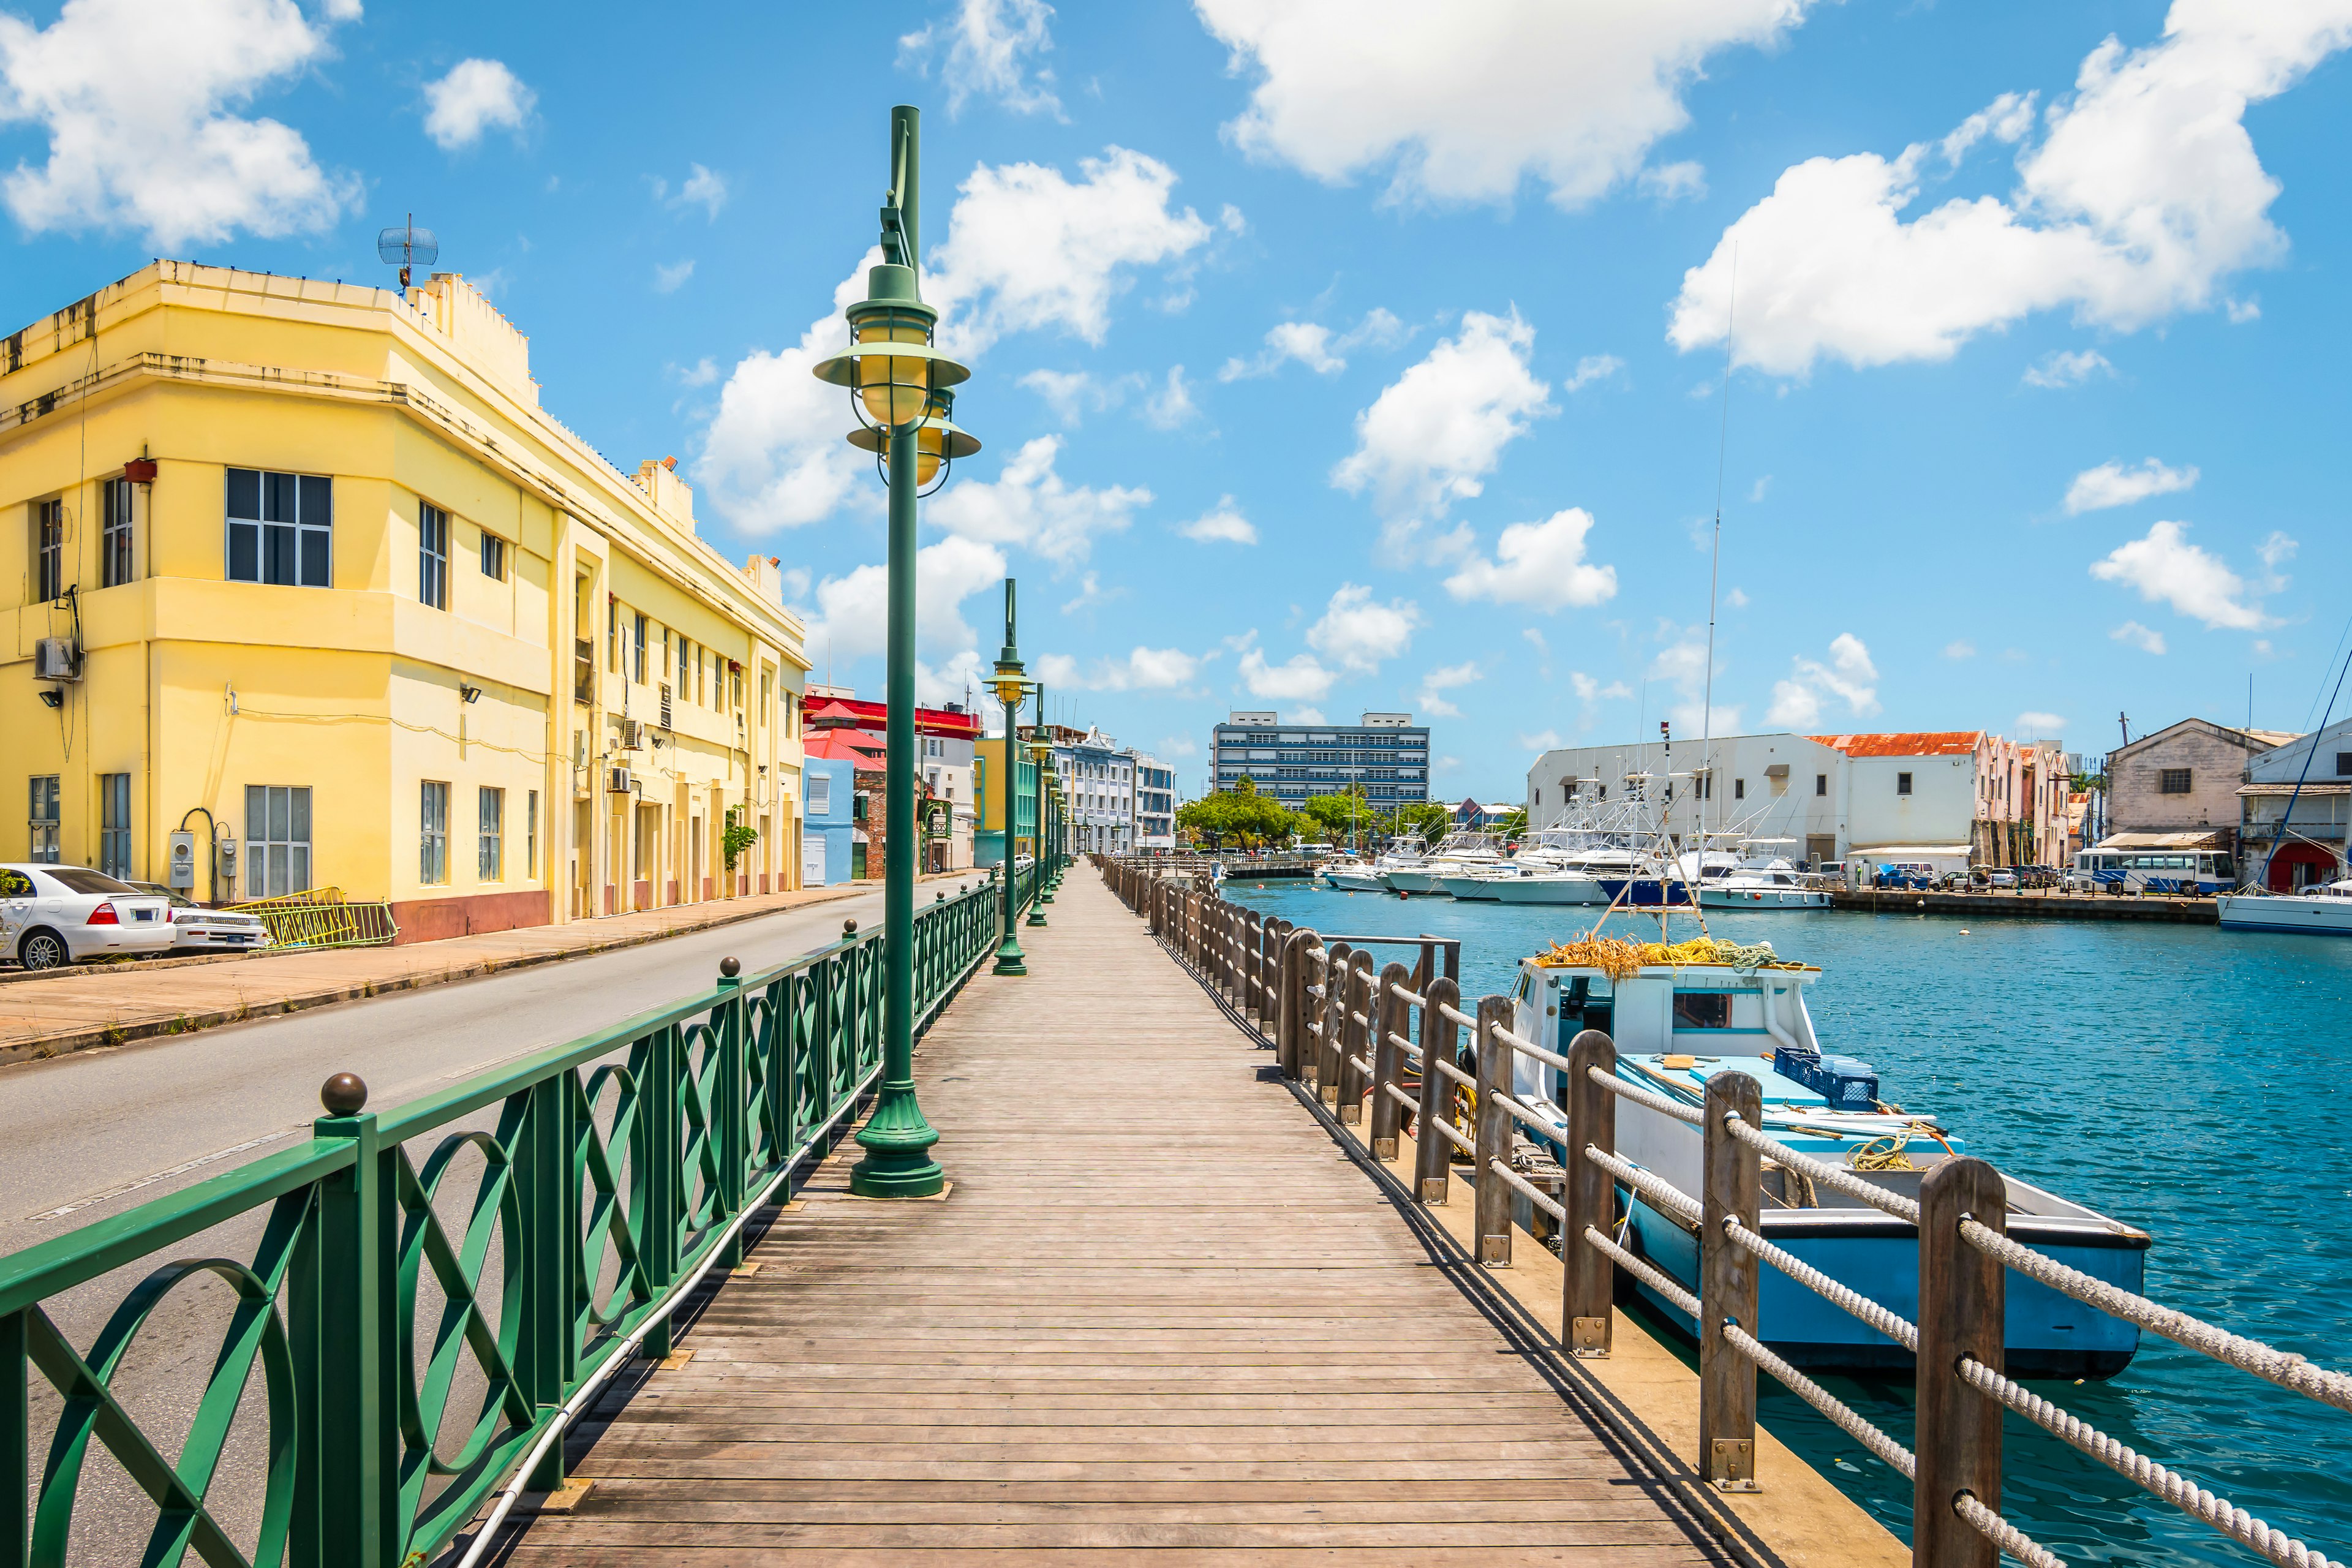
1160,1312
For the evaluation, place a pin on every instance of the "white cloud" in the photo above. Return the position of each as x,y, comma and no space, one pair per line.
1462,102
1359,631
2061,369
702,373
1755,491
668,280
1588,690
2165,568
2134,635
2112,484
135,99
1670,182
1299,678
1445,677
1143,669
1031,505
1593,368
1736,598
989,45
1178,747
2040,726
1849,676
1959,648
476,97
1541,741
702,189
1221,523
1433,434
1316,346
1539,565
1683,665
1308,714
1029,250
2275,550
1090,593
1172,404
2142,196
851,616
1073,394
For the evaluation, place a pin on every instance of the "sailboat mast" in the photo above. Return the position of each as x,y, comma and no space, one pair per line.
1715,560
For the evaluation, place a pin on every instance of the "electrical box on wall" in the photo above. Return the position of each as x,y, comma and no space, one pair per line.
227,861
183,860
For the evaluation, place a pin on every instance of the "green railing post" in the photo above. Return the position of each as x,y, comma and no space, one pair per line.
16,1441
345,1310
728,1113
546,1188
776,1079
654,1167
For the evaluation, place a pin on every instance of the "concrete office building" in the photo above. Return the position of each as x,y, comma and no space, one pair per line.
1387,754
1155,806
1098,778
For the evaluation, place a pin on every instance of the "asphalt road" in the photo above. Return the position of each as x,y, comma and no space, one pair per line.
95,1133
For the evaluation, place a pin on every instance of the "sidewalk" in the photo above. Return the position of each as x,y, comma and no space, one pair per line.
48,1016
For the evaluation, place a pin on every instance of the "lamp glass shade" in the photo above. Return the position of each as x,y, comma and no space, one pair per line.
896,387
1009,686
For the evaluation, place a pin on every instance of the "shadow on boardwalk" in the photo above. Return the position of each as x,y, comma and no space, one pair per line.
1158,1312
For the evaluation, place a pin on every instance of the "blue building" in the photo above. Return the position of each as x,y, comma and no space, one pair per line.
829,830
1386,753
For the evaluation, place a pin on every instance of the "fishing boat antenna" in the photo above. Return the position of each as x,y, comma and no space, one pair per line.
1715,559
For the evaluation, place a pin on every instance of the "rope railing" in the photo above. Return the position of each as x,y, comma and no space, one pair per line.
1353,1037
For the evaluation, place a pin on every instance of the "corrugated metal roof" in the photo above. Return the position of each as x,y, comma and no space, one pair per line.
1906,743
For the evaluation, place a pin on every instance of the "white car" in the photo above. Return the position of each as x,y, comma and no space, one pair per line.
52,915
196,928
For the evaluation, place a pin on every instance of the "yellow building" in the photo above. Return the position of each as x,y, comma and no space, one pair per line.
307,571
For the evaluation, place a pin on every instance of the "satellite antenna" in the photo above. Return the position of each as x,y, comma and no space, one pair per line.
407,245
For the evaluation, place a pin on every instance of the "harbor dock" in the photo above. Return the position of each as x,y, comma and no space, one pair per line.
2027,906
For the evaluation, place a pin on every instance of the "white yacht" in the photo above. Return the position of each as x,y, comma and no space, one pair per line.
1461,851
1761,879
1353,875
2325,910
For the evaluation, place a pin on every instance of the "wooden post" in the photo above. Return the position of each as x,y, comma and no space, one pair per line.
1590,1196
1493,1212
1356,1038
1290,1012
1389,1013
1960,1314
1727,1287
1433,1151
1336,972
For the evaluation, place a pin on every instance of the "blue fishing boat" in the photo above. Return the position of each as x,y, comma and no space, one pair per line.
1675,1025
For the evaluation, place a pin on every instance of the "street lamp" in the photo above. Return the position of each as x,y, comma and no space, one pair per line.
1011,685
898,385
1041,751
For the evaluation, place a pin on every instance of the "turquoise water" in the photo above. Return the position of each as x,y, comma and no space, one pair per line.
2176,1078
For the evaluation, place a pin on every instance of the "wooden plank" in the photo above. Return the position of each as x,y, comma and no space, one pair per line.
1204,1334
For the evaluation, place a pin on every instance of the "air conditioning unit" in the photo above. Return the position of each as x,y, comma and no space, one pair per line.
53,659
618,781
633,736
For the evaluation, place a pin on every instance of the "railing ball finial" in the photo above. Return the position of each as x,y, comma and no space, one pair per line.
848,929
731,967
343,1094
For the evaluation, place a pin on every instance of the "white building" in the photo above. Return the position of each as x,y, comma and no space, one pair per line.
1155,806
1099,782
2313,773
1949,798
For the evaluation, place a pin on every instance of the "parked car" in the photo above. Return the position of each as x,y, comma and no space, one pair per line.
196,928
55,915
2001,876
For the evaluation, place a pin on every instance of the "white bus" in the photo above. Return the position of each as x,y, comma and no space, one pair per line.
2176,871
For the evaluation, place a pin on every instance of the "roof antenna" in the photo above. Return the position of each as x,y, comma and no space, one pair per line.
1715,560
405,246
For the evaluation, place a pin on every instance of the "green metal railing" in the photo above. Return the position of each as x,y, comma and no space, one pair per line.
609,1170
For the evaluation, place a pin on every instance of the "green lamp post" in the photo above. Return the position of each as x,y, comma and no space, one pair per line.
898,385
1041,752
1010,686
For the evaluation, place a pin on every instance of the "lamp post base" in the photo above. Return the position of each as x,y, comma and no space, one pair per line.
1036,916
898,1144
1009,958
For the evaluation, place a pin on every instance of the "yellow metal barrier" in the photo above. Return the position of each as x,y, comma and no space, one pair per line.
323,917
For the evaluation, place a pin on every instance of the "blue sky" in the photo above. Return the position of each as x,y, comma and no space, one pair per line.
1335,354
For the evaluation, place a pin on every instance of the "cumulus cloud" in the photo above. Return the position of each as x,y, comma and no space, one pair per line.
1436,432
1670,182
2142,197
1959,648
1462,102
1432,700
1171,406
1682,664
851,616
1143,669
669,280
476,97
2112,484
2063,369
2166,569
1072,395
2040,726
1317,346
2133,635
1593,368
1221,525
702,189
1297,679
1539,741
1359,631
1031,505
991,47
1849,676
1539,565
138,101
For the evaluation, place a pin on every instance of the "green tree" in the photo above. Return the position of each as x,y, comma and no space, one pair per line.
1337,818
1510,825
1428,818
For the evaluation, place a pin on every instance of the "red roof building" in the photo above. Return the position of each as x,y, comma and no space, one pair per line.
1907,744
854,712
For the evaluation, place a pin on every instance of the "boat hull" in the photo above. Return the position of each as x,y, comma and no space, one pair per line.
1474,889
1354,881
2253,911
1410,881
2045,1332
1540,890
1647,893
1763,898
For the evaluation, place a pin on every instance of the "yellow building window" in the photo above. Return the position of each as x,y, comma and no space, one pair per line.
433,834
491,856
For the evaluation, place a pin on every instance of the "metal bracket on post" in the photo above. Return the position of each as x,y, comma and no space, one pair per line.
1355,1038
1727,1287
1433,1151
1589,1277
1961,1305
1388,1014
1494,1211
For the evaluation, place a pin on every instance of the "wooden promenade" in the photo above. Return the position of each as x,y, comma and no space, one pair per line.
1158,1312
